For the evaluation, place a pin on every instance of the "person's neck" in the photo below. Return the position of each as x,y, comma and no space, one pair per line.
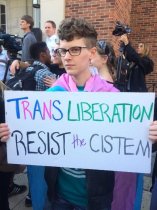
105,73
26,30
81,80
50,35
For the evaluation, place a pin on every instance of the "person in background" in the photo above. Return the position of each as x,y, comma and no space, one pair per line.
153,203
4,176
41,56
130,185
56,67
51,37
104,60
140,64
26,24
3,62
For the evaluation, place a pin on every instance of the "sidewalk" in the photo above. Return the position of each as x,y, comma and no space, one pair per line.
18,202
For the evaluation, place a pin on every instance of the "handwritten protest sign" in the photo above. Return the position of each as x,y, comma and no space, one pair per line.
106,131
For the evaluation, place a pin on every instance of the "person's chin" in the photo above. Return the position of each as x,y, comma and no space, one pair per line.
70,72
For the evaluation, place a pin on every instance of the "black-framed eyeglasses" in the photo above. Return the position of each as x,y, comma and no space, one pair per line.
102,45
73,51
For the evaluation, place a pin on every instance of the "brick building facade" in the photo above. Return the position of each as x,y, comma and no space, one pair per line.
140,15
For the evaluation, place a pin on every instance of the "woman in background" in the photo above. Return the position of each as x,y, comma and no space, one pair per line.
140,65
104,60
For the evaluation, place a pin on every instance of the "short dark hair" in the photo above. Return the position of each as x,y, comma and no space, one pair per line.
52,23
28,19
36,49
72,28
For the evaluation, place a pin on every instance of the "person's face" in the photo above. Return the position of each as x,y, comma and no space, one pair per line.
140,48
45,57
56,59
49,30
99,60
77,65
24,25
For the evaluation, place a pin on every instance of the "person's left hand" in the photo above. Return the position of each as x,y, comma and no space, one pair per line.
153,131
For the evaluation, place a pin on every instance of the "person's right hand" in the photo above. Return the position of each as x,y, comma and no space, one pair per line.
14,66
124,39
4,132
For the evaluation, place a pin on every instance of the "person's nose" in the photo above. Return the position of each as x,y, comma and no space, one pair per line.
67,55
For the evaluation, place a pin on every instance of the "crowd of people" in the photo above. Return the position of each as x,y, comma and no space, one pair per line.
70,60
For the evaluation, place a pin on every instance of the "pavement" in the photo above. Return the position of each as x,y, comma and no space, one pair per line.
18,202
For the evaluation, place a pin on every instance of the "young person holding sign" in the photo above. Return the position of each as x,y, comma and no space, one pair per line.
77,188
70,188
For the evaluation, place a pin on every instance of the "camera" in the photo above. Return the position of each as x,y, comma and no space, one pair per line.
11,43
121,29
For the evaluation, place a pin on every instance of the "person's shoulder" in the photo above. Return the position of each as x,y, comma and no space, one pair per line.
29,36
110,86
102,85
42,71
54,37
38,66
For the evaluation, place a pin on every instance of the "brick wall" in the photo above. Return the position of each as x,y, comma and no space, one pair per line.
102,14
141,15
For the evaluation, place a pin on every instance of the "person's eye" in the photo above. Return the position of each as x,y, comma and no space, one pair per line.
75,49
62,51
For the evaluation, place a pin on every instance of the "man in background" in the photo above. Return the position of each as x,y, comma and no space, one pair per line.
26,24
50,32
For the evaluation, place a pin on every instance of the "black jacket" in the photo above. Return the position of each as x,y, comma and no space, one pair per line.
54,68
2,120
2,113
140,66
100,186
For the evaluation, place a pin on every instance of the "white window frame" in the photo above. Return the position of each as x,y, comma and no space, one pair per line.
2,3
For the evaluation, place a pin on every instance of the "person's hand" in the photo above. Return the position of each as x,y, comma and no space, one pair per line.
4,132
153,131
124,39
49,81
14,66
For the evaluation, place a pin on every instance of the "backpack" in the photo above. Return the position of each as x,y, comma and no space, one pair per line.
24,79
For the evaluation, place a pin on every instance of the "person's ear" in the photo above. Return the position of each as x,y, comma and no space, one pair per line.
93,52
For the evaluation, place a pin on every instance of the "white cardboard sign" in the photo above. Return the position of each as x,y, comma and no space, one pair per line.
104,131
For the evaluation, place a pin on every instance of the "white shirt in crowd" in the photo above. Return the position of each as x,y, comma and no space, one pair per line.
51,42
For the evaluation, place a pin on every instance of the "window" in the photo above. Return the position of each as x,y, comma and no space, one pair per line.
2,17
